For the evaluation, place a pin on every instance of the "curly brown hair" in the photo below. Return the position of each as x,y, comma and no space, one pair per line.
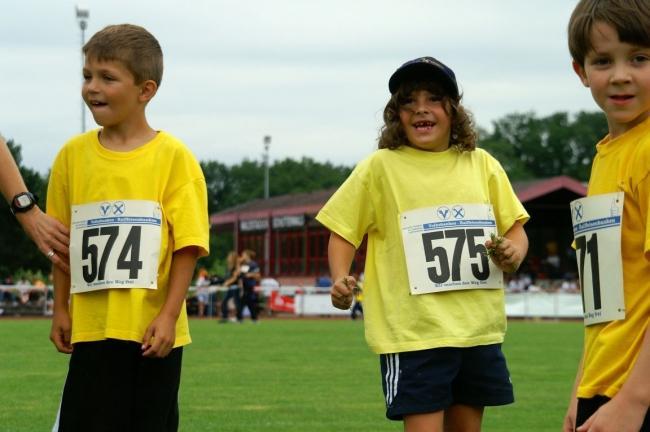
392,135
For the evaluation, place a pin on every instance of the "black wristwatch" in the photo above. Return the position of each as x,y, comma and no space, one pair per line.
23,202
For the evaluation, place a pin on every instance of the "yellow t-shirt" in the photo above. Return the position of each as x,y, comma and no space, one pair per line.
611,349
388,183
163,171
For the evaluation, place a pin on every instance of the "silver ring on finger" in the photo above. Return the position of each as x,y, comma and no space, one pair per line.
50,254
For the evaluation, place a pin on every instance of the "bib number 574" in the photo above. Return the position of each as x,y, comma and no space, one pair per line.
129,255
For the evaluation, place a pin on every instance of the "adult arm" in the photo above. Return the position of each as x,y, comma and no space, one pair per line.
340,254
48,233
160,336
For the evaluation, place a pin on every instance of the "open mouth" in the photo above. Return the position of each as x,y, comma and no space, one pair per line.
97,104
621,98
423,125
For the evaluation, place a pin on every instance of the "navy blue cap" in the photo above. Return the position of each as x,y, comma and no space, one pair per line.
424,68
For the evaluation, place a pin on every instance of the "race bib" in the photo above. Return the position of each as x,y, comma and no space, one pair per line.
444,248
597,231
114,244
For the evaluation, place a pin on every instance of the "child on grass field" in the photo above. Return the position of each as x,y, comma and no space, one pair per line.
609,41
429,201
136,203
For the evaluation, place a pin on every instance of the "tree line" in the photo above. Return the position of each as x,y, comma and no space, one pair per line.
528,146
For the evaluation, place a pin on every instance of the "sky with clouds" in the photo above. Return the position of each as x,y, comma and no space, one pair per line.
312,74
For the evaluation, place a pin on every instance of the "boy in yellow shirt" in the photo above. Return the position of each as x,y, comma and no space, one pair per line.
609,42
135,201
610,46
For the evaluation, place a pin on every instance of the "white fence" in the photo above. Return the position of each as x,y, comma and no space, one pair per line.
543,305
311,301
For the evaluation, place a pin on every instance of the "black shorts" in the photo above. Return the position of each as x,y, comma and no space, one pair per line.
112,387
417,382
586,407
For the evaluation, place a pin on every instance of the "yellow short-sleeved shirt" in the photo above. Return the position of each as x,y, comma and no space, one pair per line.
388,183
611,349
163,171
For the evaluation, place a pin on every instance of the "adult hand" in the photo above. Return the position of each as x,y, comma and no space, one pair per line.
159,337
341,292
51,236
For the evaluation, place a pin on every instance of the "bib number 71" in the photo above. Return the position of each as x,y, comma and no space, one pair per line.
446,270
589,247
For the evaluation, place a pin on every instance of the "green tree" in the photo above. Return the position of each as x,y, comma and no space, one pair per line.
559,144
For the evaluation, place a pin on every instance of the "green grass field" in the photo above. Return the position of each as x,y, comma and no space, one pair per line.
290,375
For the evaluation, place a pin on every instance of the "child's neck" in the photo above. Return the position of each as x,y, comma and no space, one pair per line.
125,138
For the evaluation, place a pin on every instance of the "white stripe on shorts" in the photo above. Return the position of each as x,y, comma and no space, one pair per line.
392,377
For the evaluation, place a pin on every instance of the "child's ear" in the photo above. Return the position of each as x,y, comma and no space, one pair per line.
148,90
580,71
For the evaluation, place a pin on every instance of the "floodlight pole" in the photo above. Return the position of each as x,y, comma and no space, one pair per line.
82,18
267,144
267,235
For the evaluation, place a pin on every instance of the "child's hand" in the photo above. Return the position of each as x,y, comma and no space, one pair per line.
61,331
503,253
341,292
160,336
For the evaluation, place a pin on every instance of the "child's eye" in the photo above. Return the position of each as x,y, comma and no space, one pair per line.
600,61
435,98
640,58
108,78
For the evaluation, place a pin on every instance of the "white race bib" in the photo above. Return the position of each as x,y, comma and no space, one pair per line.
444,248
597,231
114,244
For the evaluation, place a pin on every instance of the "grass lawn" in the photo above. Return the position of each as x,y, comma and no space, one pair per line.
290,375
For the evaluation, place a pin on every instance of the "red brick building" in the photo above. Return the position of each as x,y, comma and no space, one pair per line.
290,243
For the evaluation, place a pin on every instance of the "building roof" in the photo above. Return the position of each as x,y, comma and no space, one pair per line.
530,190
311,202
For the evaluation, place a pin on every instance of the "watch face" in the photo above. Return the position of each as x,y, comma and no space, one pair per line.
23,201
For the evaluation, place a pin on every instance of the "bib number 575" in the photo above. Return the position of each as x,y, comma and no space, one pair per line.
445,269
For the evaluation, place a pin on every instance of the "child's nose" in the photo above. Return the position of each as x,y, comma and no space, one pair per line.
620,74
422,107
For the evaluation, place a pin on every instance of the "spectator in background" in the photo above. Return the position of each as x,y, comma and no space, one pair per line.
50,235
250,276
202,293
232,283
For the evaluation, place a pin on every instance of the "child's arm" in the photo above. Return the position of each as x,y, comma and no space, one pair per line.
340,254
61,323
160,336
627,409
572,410
511,250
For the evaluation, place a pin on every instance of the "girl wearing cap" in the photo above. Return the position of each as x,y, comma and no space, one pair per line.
443,224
